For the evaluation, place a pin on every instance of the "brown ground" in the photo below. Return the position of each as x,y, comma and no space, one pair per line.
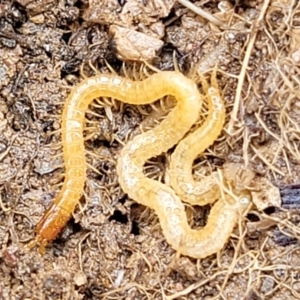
113,248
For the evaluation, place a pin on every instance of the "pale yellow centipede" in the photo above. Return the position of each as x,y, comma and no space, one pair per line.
161,198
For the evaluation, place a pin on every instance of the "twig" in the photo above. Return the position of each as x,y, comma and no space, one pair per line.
254,30
204,14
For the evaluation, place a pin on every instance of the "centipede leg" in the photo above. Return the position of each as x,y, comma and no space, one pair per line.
93,68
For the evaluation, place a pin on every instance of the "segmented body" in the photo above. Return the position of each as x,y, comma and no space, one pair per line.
161,198
206,190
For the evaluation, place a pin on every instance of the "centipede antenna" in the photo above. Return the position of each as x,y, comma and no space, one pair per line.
42,248
31,244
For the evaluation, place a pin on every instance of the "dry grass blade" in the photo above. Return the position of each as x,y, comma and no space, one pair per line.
204,14
254,30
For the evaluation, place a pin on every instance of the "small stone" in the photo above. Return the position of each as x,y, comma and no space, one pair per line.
80,279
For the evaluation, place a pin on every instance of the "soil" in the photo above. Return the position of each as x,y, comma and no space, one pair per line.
113,248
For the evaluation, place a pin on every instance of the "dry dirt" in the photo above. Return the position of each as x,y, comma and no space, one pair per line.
113,248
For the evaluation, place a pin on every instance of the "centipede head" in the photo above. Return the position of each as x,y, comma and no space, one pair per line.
38,241
49,227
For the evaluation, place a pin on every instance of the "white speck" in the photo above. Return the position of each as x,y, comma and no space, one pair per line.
231,36
119,278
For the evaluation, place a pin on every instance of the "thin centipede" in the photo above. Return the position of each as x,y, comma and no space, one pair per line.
158,196
205,191
164,200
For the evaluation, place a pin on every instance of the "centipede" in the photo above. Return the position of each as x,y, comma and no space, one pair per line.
163,199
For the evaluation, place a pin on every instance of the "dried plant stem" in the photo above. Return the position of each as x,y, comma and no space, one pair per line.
204,14
254,30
